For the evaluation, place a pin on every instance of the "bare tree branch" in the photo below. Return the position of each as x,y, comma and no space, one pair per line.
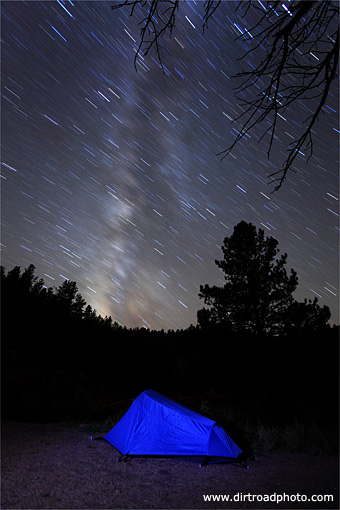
300,64
291,38
160,18
210,7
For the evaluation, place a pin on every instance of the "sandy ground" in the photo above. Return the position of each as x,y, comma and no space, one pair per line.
58,466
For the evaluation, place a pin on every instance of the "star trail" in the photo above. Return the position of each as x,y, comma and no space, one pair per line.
110,176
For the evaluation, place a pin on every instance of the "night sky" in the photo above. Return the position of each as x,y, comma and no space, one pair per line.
110,177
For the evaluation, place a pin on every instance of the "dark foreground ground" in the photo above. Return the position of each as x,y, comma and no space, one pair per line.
58,466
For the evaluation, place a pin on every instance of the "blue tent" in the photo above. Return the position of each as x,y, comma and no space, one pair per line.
157,426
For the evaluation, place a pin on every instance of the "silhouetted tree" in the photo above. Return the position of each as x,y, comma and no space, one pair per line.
68,299
302,51
258,289
306,317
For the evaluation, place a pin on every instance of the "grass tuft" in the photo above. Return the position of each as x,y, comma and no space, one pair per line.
294,438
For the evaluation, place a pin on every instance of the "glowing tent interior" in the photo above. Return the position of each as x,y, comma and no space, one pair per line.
154,425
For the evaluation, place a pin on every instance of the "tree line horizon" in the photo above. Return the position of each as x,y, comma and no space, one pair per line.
59,357
257,297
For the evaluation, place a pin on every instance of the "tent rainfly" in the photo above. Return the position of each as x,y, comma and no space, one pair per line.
154,425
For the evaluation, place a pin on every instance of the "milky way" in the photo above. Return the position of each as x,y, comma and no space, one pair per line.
110,177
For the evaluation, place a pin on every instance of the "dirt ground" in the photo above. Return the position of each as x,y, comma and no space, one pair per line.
58,466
